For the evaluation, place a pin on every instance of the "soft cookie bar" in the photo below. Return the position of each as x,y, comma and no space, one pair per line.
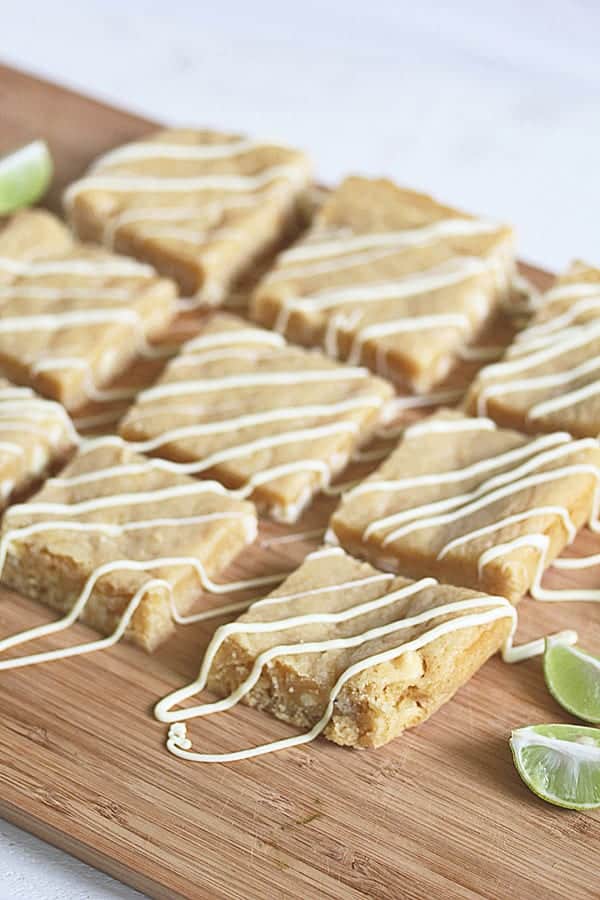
35,435
72,316
472,504
108,512
388,651
201,206
273,421
548,378
389,278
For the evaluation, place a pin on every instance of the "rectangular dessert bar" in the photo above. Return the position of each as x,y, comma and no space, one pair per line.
202,206
242,406
111,506
549,377
472,504
407,660
389,278
72,316
35,436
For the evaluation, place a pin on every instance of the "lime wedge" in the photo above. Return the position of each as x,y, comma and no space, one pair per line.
560,763
573,679
24,176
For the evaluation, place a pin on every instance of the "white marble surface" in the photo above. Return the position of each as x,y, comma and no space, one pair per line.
495,107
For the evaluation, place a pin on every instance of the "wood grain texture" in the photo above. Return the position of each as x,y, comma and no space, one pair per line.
440,812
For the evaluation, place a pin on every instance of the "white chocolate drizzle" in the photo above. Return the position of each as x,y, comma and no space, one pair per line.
90,316
523,461
67,520
544,343
131,184
475,612
326,252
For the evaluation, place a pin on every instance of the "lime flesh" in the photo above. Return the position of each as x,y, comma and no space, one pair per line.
573,678
24,176
560,763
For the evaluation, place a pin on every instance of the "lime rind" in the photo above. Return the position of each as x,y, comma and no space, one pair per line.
573,678
24,176
560,763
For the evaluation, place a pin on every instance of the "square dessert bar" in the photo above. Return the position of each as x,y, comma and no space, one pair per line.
35,436
111,506
72,316
391,279
273,421
549,377
203,207
472,504
411,646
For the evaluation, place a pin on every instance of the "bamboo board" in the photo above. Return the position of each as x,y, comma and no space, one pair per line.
439,813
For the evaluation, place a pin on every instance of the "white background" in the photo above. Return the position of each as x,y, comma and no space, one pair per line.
494,107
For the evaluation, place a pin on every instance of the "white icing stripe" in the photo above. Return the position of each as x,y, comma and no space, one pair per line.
114,500
258,478
512,366
77,649
409,286
207,212
10,448
488,492
314,592
41,292
325,551
533,513
296,536
241,450
469,508
541,382
448,426
100,268
287,513
319,249
178,742
317,257
544,343
404,325
557,323
125,566
68,319
531,449
233,337
262,418
131,184
437,398
261,379
569,399
541,542
481,354
570,291
142,150
13,412
195,359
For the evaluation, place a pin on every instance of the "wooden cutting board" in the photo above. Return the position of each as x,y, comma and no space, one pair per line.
439,813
